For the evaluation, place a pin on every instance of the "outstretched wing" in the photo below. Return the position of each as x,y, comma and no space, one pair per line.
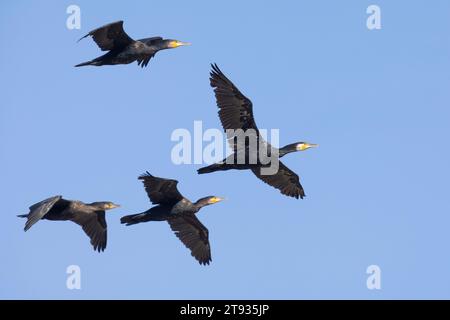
39,210
94,225
235,110
110,36
194,236
160,190
284,180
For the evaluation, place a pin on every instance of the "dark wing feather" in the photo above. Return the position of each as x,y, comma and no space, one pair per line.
149,42
284,180
235,110
110,36
94,225
39,210
144,62
194,236
160,190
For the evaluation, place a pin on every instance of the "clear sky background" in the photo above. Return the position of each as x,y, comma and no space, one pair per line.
377,188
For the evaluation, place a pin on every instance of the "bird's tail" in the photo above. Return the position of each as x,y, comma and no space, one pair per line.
87,63
133,218
211,168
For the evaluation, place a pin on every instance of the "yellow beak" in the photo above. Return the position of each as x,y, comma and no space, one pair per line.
176,44
216,199
304,146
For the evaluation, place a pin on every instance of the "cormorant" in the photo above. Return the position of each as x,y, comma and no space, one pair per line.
179,212
236,112
124,50
90,216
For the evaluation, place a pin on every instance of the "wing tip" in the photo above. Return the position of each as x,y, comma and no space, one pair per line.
297,195
145,175
205,261
99,245
83,37
215,70
215,67
218,78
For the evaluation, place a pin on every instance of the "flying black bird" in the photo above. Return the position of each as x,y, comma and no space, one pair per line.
179,212
236,112
90,216
124,50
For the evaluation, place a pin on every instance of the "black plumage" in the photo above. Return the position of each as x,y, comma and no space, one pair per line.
90,216
124,50
236,112
179,212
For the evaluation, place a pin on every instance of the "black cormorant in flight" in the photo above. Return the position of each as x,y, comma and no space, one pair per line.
179,212
236,112
124,50
90,216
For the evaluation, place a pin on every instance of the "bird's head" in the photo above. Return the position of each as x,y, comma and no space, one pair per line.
206,201
105,205
293,147
171,44
302,146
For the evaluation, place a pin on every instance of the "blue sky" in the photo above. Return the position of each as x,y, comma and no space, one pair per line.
376,101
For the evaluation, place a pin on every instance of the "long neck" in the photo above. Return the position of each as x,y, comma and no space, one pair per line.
153,49
286,149
95,206
161,46
200,204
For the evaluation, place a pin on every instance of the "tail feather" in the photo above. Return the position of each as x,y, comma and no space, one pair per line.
132,219
87,63
210,168
23,215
